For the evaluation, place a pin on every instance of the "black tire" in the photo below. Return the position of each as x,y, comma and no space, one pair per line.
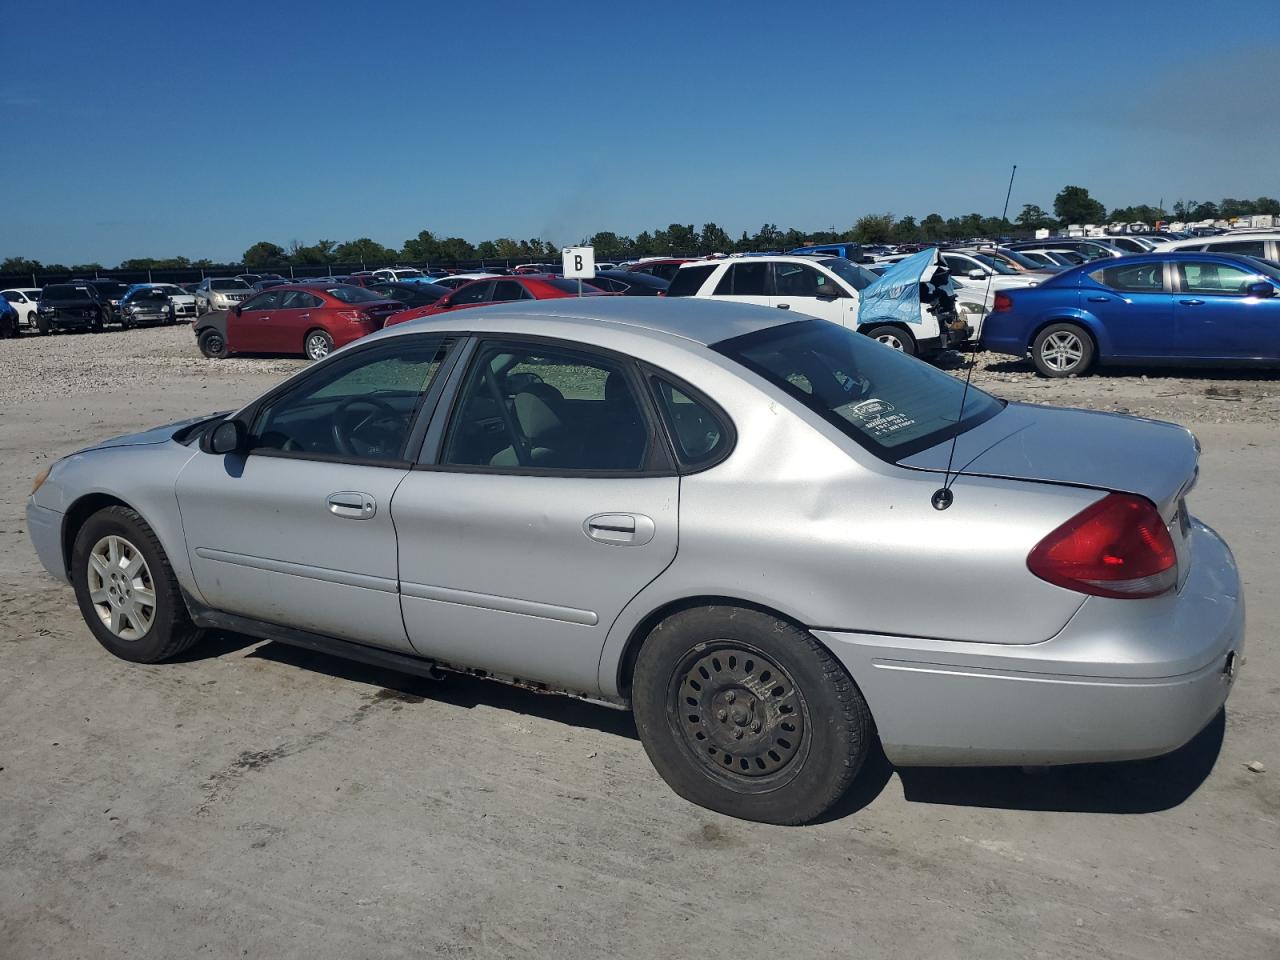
894,337
42,324
317,344
170,630
748,715
212,344
1062,350
98,323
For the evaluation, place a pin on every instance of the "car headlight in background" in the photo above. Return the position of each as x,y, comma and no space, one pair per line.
976,308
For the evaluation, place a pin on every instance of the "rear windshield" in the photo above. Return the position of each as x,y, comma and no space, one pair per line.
890,403
65,292
110,289
349,294
228,285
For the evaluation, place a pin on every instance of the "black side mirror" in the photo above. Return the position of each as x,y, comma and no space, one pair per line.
230,436
1260,289
236,309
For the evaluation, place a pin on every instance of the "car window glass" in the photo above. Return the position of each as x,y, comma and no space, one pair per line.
689,280
528,407
359,407
268,300
1132,277
472,293
1217,279
744,280
13,297
1252,248
801,280
507,290
698,434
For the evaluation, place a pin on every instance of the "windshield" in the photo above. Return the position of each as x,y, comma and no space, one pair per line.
407,273
1021,258
228,285
349,294
889,403
65,292
993,263
848,271
1268,268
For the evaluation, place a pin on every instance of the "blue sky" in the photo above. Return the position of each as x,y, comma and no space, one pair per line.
156,129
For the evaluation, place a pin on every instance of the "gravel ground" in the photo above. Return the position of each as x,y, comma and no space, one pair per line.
260,801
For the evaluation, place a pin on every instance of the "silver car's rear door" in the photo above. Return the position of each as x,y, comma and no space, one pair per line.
552,502
298,531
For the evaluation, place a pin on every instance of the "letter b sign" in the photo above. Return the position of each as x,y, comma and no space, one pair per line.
579,262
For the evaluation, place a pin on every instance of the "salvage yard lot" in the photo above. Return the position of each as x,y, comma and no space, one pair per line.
262,799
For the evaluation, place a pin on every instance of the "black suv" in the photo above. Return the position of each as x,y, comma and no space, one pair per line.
76,304
110,292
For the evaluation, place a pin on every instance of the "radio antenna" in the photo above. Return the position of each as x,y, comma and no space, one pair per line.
943,497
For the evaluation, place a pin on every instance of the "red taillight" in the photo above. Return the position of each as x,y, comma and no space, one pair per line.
356,316
1119,547
1003,303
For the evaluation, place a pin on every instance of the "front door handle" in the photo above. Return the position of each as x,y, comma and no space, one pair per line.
620,529
783,306
1099,299
352,505
1192,303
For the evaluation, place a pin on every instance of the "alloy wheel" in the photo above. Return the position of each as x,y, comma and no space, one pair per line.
1061,350
891,340
317,346
121,588
738,712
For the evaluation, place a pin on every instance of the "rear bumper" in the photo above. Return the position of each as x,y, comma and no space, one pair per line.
1125,679
44,527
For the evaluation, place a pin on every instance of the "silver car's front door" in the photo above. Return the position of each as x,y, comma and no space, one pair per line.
552,504
298,530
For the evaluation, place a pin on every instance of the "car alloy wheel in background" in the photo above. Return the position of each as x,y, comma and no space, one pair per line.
319,345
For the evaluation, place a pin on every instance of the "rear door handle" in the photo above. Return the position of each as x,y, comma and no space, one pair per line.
352,505
1192,303
1099,299
620,529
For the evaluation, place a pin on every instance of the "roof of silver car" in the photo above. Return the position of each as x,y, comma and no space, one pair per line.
697,319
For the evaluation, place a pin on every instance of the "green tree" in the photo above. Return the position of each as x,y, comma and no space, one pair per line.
768,237
1074,205
713,239
645,246
363,251
609,245
906,230
422,248
1265,205
83,269
487,250
1204,211
264,253
934,227
873,228
453,249
1033,217
320,252
20,265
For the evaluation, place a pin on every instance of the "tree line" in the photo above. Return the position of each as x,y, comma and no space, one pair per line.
1072,205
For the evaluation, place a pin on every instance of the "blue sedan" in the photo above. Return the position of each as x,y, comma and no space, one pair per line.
1188,307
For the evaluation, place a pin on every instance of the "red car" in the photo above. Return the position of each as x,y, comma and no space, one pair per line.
308,318
477,293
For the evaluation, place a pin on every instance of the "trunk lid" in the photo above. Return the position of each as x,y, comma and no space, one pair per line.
1083,448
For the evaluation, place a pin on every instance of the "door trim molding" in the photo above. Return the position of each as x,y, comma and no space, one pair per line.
486,601
306,570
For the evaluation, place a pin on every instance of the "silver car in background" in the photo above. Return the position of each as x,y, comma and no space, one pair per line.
220,293
719,516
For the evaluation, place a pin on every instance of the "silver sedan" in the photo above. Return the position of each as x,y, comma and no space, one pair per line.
774,540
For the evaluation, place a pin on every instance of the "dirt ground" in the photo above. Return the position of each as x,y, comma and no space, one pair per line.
258,801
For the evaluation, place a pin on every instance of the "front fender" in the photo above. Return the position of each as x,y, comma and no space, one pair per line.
142,477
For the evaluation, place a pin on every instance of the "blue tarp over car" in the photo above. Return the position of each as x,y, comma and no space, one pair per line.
896,295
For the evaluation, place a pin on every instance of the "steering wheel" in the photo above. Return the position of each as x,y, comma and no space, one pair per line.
344,433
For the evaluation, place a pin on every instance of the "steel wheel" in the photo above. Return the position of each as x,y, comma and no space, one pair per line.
318,345
738,712
1062,350
121,588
